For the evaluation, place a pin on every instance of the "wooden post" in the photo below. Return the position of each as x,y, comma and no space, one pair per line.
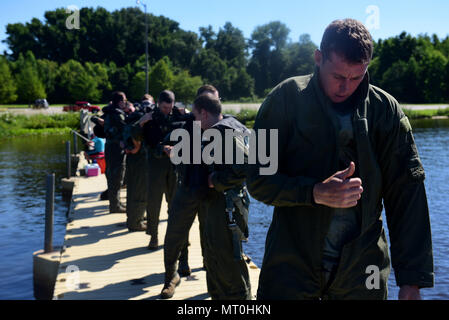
68,159
49,213
75,143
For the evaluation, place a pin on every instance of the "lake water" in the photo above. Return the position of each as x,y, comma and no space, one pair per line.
433,147
25,162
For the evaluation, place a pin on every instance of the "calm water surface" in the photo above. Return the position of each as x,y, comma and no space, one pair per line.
24,165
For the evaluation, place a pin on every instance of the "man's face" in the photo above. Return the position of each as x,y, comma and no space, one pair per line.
123,103
201,116
166,108
339,79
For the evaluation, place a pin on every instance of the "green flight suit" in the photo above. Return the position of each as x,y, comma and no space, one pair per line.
136,187
161,172
137,173
390,170
161,181
186,204
114,122
227,276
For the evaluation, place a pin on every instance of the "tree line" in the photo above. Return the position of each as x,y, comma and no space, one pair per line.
107,53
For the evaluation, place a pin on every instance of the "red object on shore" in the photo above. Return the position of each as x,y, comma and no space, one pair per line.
81,105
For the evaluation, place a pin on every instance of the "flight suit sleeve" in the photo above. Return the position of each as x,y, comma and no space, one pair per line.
278,189
405,202
233,174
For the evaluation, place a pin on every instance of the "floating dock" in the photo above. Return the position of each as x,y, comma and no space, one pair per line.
102,260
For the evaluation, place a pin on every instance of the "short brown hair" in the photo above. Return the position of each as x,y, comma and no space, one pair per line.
209,103
148,97
118,96
206,88
166,96
348,38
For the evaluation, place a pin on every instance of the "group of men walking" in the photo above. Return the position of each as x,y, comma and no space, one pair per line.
140,134
344,147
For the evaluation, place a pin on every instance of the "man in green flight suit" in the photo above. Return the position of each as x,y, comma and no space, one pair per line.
161,174
191,191
114,122
343,146
137,170
225,206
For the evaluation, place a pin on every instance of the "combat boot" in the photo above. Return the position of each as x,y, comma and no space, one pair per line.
104,195
183,268
154,243
118,209
141,226
170,285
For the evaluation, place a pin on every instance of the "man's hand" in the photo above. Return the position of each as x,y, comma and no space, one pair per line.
409,293
339,191
147,117
100,121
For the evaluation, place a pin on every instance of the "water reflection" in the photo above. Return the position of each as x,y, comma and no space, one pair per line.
24,165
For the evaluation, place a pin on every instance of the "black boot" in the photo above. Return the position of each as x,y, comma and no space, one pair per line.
183,267
170,285
120,208
141,226
154,243
104,195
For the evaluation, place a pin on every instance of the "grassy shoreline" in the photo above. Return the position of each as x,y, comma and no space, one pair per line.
39,124
22,125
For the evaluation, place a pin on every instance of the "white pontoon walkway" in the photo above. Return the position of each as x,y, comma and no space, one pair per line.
103,260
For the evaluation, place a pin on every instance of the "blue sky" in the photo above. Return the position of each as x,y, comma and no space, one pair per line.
415,17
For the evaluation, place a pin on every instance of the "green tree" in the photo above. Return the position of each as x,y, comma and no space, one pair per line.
48,73
242,86
137,87
299,57
185,86
268,60
103,37
401,81
210,67
100,73
432,76
230,45
76,83
119,77
161,77
29,86
7,84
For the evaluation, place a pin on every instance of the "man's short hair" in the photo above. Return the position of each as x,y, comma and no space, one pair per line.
148,97
118,96
206,88
166,96
208,102
348,38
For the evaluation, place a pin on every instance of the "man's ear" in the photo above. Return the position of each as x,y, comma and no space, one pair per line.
318,57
